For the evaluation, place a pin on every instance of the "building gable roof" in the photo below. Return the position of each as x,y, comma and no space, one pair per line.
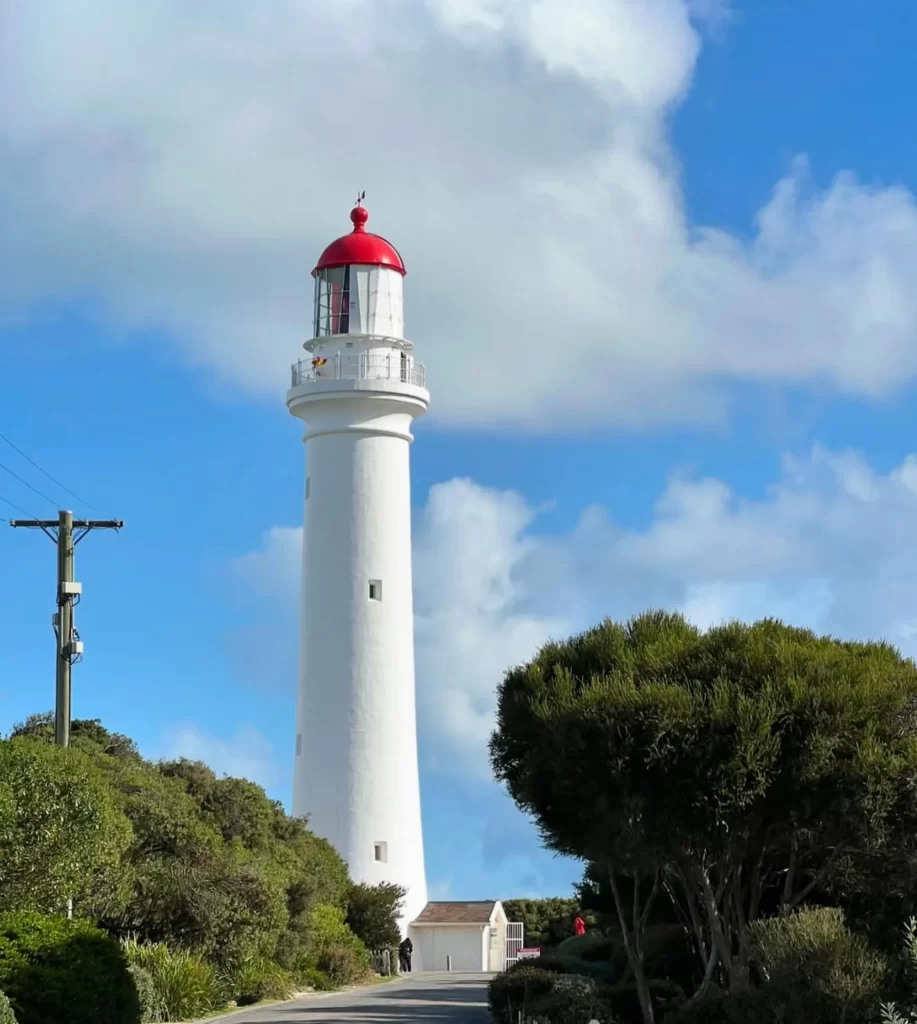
473,912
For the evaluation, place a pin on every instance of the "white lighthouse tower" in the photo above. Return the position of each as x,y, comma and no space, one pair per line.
356,773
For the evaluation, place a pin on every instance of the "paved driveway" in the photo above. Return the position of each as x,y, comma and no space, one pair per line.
438,998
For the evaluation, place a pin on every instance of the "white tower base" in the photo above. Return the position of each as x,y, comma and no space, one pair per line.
356,776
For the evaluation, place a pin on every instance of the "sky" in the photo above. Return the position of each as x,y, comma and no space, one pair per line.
660,259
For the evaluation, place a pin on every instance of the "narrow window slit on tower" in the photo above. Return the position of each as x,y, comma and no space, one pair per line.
381,850
298,744
308,486
375,590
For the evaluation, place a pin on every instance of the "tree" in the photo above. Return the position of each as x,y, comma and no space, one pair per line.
159,851
545,922
87,734
61,832
734,770
373,912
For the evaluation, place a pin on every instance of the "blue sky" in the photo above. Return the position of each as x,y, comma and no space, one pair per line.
646,390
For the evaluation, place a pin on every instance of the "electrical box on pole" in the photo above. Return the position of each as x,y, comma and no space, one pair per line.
66,532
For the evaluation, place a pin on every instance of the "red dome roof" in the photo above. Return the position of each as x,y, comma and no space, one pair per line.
360,246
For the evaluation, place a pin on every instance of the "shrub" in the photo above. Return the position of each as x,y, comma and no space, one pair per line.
150,1006
518,989
814,968
581,946
258,980
557,964
314,978
906,1012
328,937
61,830
572,999
6,1011
342,965
623,1004
373,912
57,971
185,986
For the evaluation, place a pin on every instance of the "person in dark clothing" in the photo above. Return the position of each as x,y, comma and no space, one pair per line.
405,951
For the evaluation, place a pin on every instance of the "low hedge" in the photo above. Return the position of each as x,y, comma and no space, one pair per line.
556,997
56,971
517,989
558,964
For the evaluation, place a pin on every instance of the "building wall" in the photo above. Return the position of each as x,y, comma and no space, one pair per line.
356,773
496,954
466,944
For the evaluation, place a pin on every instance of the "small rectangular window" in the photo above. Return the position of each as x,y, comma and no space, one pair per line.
298,744
308,486
375,590
381,850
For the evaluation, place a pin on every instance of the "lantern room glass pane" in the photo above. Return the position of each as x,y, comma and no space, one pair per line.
332,301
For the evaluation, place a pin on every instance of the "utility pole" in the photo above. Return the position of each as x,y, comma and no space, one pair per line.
66,532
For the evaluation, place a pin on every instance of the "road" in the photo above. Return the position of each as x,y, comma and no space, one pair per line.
438,998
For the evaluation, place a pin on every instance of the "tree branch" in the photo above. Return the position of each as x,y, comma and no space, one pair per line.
818,878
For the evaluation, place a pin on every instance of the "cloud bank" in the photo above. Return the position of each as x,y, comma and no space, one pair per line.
832,546
182,165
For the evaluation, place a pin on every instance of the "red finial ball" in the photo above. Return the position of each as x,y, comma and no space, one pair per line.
359,215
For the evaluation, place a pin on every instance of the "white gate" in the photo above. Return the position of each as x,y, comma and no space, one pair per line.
514,941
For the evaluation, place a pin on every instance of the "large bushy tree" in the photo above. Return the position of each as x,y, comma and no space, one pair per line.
735,769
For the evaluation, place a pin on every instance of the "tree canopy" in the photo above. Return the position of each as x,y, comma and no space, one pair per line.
61,830
158,851
736,769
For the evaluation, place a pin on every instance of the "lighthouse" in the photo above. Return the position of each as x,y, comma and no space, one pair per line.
358,391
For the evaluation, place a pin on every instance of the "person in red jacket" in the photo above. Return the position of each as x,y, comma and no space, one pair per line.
579,926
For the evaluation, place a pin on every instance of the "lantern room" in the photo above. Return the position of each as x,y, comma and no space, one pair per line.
359,285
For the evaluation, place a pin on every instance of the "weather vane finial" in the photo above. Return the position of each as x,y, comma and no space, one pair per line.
360,197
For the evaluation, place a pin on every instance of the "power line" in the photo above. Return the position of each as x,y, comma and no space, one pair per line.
41,494
12,504
53,479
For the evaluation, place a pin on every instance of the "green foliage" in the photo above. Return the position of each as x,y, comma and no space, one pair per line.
150,1004
738,768
314,978
905,1010
516,990
815,967
811,968
60,830
572,999
88,735
333,948
558,964
56,971
342,965
373,912
215,884
257,980
584,946
6,1011
184,985
546,922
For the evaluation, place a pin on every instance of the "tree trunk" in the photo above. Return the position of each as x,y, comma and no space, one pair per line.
633,945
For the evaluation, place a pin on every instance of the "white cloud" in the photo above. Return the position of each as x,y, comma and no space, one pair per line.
832,546
185,163
246,755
